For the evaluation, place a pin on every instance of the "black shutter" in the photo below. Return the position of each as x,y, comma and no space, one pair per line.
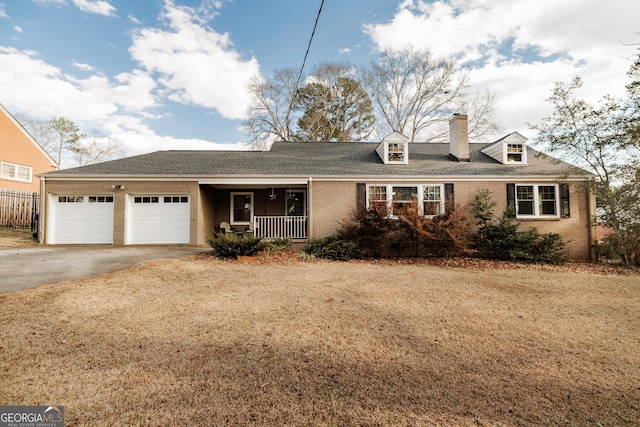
449,201
511,199
565,212
361,197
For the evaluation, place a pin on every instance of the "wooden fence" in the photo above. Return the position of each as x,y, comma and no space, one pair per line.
19,209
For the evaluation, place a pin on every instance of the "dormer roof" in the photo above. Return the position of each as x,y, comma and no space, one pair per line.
508,150
394,149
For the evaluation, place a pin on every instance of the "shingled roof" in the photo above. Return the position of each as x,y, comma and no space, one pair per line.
319,159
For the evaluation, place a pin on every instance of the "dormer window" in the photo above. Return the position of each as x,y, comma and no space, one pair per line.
396,152
515,153
394,149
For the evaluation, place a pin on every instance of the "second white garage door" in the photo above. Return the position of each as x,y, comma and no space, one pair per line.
158,219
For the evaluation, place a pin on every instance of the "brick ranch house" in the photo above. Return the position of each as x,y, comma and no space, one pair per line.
306,190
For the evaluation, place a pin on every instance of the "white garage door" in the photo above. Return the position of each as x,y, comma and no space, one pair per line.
160,219
82,219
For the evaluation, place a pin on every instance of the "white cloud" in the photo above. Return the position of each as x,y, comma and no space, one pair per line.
140,138
83,67
17,28
44,91
134,19
135,91
3,11
196,64
100,7
54,2
518,49
119,107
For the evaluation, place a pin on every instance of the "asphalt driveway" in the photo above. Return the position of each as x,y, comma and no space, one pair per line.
33,267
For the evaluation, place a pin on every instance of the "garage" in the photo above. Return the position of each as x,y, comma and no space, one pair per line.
85,219
158,219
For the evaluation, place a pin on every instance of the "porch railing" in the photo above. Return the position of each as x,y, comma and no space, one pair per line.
270,227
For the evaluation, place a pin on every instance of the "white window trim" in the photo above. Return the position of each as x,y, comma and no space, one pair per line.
232,213
505,154
536,201
419,194
16,175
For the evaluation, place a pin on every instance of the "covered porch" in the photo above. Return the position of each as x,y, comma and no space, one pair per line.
267,210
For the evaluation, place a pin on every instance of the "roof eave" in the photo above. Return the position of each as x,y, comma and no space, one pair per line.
297,178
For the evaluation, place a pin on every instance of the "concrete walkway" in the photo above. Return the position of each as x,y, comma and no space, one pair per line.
33,267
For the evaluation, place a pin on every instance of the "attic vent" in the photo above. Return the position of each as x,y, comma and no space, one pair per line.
394,149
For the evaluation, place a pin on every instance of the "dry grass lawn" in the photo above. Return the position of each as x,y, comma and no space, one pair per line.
10,238
205,342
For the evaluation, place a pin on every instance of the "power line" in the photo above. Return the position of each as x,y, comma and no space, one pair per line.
304,61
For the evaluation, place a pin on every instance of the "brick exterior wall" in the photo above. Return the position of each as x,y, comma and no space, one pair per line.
333,202
16,147
330,204
576,231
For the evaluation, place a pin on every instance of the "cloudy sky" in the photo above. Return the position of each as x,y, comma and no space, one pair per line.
171,74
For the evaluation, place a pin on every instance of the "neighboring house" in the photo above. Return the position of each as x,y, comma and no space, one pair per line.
306,190
21,157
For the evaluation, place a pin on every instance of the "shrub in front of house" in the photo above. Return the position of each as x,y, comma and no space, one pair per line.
278,244
373,233
499,238
409,233
233,246
333,247
503,240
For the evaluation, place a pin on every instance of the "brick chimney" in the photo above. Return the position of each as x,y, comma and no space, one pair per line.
458,138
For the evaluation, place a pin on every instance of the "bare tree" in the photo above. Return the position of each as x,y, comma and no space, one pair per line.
96,148
480,107
269,116
40,130
415,94
278,104
61,138
409,91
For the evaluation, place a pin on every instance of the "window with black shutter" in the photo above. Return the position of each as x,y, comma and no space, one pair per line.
449,200
565,211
